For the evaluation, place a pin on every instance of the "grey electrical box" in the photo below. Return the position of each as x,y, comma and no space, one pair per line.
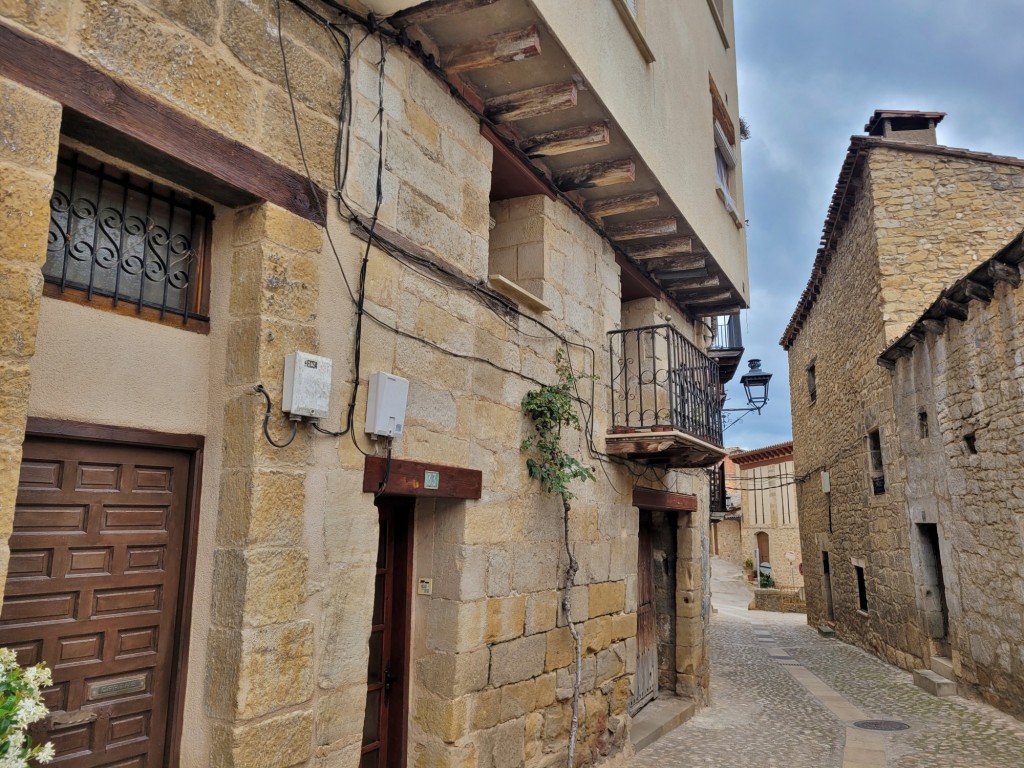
307,385
385,404
826,483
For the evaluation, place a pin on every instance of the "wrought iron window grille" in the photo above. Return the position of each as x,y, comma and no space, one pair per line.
659,380
130,240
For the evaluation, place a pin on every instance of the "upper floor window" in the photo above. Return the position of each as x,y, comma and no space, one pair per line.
876,466
812,382
725,151
125,242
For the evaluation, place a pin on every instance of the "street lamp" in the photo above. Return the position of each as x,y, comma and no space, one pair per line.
755,385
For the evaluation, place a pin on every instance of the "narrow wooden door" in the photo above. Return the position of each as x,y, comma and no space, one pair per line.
385,723
92,590
645,686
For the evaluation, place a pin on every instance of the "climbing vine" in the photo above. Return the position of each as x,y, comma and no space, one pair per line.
551,408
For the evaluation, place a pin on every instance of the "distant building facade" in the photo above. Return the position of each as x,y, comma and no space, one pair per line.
883,566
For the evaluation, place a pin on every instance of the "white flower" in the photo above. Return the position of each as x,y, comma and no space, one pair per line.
29,710
46,753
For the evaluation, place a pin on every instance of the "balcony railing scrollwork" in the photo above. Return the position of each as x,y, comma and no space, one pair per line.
660,381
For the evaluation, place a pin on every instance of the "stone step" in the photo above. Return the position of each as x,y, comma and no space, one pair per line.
935,684
658,718
942,665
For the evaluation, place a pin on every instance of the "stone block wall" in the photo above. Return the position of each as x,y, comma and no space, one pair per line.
287,548
29,134
918,221
968,382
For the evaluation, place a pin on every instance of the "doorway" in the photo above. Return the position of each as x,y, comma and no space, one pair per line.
933,594
385,723
826,585
97,588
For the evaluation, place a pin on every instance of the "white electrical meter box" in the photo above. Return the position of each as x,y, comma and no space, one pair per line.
385,404
307,385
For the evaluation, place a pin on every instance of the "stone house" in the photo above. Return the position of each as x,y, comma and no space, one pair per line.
908,219
376,203
768,521
958,415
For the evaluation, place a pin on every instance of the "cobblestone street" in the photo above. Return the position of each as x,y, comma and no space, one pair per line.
785,697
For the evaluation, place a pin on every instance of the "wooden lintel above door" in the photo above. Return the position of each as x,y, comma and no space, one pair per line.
410,478
663,501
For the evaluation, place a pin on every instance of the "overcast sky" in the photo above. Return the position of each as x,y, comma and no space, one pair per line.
811,73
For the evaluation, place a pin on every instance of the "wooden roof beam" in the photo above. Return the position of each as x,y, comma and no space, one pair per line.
1000,272
597,175
567,140
678,264
711,298
952,309
636,230
435,9
932,325
613,206
678,246
502,48
692,284
975,290
532,102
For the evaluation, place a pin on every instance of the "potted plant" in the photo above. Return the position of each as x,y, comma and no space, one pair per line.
748,569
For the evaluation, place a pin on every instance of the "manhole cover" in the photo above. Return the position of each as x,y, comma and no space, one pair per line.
881,725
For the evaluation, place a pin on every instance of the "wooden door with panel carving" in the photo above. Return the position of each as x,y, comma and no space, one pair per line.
92,590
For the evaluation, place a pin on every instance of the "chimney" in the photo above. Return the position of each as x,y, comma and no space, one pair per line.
904,125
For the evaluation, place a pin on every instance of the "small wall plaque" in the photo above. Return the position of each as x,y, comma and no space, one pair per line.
431,480
118,687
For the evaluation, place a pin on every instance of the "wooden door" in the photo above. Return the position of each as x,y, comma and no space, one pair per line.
645,685
385,723
92,590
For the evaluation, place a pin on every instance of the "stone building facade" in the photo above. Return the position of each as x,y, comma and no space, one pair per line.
769,522
192,192
908,218
957,386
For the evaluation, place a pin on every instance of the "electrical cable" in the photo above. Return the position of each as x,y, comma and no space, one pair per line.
387,474
260,389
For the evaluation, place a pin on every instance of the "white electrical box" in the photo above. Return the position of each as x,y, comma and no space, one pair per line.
826,483
307,385
385,404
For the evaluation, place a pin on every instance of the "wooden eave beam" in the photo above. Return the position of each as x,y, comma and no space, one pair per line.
952,309
713,298
435,9
1004,273
532,102
680,274
932,325
678,246
597,175
501,48
613,206
567,140
975,290
677,264
635,230
712,281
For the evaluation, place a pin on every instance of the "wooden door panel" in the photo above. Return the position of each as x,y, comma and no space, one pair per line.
96,554
645,685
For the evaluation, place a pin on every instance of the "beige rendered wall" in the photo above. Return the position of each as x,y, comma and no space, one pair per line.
770,506
655,103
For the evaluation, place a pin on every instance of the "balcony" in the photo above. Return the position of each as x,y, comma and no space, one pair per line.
727,346
665,399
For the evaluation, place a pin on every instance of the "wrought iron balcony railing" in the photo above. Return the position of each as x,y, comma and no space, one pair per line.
660,381
727,333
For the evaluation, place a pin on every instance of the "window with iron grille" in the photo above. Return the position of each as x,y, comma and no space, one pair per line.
122,241
877,467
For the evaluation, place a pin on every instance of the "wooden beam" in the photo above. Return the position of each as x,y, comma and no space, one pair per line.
1005,273
711,298
933,326
663,501
140,117
976,290
532,102
682,285
668,248
567,140
636,230
612,206
678,264
597,175
509,167
950,308
434,9
502,48
409,478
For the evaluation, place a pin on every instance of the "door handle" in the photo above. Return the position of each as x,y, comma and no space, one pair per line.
389,679
61,719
